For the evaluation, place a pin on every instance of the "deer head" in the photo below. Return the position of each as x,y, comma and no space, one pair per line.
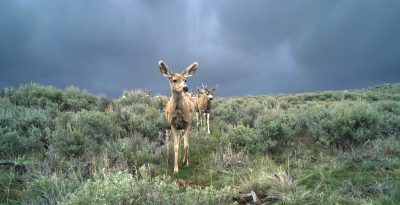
207,92
147,92
177,81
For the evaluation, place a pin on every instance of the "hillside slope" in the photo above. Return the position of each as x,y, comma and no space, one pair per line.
71,147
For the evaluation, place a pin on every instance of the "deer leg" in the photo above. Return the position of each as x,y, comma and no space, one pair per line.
208,122
203,120
186,146
197,119
176,150
167,147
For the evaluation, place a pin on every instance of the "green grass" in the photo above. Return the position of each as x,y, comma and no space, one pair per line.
200,170
9,186
360,176
299,169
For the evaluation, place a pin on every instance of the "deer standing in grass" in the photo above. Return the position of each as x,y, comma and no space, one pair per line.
179,110
204,105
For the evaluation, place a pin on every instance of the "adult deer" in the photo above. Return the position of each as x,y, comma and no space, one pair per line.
179,110
204,105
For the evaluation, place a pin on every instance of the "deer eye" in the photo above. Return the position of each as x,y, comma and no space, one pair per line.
185,80
174,81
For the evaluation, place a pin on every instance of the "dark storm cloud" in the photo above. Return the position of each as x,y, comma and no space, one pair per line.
323,44
247,47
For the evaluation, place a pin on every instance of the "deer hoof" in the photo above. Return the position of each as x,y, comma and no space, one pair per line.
186,163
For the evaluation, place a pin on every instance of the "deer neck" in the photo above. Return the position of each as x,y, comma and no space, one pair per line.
177,100
205,103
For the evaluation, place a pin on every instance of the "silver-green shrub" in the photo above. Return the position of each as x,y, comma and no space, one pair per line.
124,188
85,131
345,124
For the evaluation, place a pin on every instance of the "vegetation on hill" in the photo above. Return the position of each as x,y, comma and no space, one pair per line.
72,147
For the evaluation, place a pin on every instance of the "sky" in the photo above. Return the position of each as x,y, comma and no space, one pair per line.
253,47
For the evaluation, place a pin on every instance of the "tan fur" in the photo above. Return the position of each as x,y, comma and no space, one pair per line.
204,106
179,110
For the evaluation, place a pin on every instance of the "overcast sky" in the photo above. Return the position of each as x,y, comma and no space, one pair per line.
247,47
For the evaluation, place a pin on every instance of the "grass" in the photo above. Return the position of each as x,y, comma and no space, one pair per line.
363,175
200,171
9,186
299,171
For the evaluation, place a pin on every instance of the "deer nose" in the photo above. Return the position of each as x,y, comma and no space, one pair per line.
185,88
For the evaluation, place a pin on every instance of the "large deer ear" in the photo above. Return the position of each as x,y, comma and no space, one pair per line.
164,69
190,70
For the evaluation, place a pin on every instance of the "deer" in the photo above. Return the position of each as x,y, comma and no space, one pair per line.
179,110
204,105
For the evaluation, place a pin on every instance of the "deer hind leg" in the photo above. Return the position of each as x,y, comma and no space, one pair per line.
186,146
208,123
176,150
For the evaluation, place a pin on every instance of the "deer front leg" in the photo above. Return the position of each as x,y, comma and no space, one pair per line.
204,119
208,123
167,147
176,150
201,120
186,146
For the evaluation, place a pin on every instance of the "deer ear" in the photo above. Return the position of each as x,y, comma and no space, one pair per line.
213,90
164,69
190,70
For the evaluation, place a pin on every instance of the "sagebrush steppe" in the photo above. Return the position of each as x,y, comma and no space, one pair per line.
330,147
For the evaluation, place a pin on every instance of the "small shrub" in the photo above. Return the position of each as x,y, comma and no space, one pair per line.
140,118
390,112
124,188
387,106
83,131
274,129
235,111
241,137
37,96
11,143
135,97
48,190
75,100
134,151
345,123
23,129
